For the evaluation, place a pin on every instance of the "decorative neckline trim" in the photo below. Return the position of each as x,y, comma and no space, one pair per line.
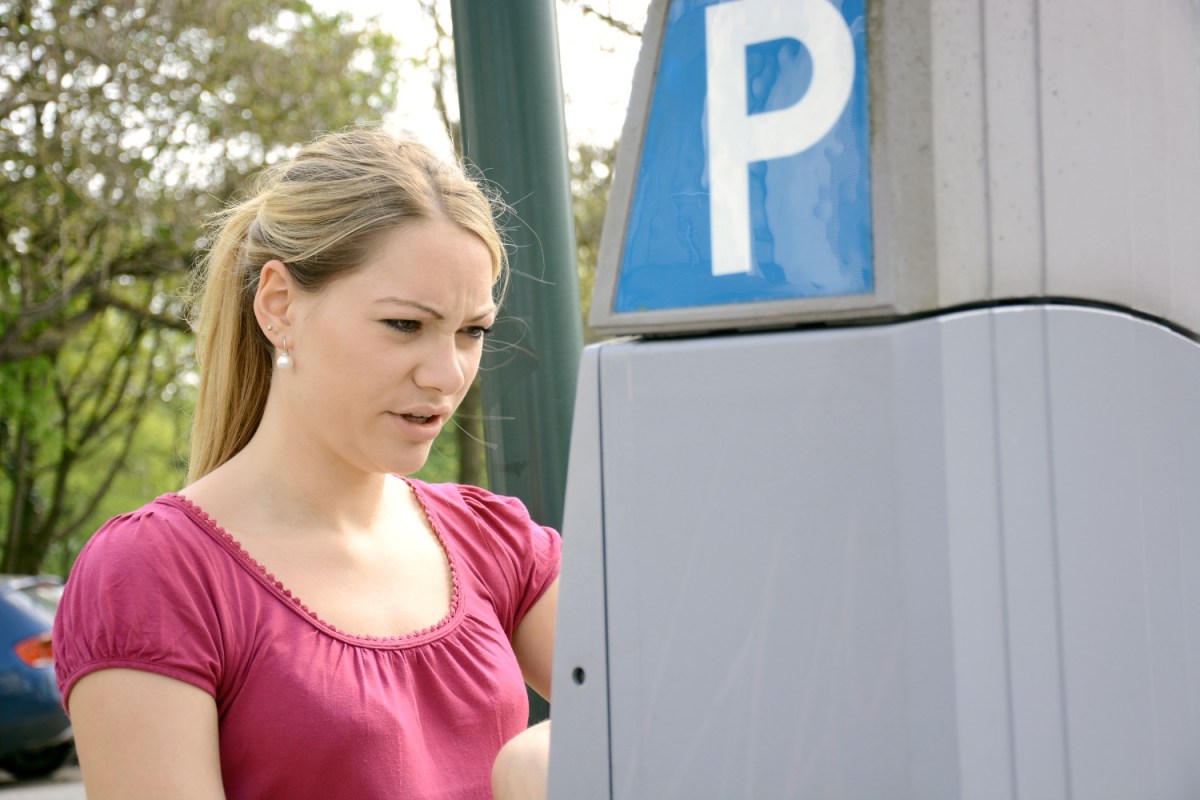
293,601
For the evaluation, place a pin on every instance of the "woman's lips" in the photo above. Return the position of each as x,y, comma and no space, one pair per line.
422,427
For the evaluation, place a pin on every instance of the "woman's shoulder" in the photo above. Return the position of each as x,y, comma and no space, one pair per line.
479,505
495,525
147,592
163,532
163,555
514,556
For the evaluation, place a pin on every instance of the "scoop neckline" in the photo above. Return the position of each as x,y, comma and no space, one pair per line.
293,601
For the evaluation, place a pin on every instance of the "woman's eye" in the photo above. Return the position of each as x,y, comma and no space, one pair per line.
403,325
477,332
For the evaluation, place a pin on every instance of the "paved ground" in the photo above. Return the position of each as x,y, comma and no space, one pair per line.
62,785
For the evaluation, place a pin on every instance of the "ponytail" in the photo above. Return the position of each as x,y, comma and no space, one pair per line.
233,355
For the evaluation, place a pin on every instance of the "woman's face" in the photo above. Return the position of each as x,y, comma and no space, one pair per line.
384,354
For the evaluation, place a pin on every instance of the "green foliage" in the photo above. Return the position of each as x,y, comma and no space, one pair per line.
157,463
122,124
24,393
591,177
442,465
458,454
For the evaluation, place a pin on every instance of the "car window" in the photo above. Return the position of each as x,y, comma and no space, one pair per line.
41,598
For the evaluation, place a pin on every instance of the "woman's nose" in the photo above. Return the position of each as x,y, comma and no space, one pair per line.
441,367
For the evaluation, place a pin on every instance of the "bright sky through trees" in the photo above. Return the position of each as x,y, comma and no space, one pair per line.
597,63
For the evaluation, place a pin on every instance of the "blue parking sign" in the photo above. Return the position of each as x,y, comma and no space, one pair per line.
752,178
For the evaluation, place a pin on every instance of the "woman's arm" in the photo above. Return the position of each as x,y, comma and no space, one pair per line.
521,769
142,736
533,641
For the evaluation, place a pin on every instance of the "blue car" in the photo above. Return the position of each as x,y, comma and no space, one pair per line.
35,734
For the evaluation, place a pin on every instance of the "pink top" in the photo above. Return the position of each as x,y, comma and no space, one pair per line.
306,710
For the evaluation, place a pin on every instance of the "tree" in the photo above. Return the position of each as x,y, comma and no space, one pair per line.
121,125
591,178
605,16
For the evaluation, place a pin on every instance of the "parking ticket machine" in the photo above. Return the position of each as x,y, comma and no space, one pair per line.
887,484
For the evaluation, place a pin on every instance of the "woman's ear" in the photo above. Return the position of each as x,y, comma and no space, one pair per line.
276,294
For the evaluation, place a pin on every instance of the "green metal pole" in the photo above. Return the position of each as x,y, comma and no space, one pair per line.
511,100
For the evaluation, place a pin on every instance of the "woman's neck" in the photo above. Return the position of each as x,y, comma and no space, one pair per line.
285,480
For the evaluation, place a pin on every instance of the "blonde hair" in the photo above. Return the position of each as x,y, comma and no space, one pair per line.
320,213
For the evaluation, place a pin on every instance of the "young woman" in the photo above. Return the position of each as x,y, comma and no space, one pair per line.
301,621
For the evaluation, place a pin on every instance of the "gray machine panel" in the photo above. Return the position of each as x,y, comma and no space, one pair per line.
950,559
763,609
580,768
1126,444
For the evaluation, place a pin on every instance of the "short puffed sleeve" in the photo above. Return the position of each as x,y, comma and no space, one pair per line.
516,558
141,595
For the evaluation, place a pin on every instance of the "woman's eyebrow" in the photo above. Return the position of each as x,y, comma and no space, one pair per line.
431,311
487,312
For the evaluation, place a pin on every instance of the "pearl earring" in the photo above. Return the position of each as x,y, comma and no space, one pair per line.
284,360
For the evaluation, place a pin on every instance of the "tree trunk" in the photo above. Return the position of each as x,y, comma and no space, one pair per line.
18,504
21,481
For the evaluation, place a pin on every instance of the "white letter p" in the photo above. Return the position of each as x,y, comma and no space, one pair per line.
735,138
